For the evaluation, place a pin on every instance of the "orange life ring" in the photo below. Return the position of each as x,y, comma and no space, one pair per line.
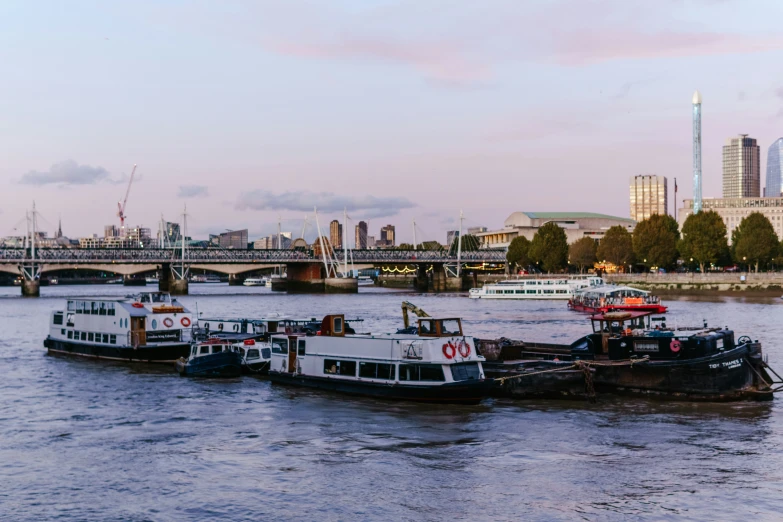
137,305
464,349
185,322
449,351
675,346
168,322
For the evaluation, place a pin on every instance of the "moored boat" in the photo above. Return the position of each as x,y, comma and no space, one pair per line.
147,327
438,364
534,287
608,298
255,281
211,358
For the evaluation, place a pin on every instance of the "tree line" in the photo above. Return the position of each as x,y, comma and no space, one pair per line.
655,242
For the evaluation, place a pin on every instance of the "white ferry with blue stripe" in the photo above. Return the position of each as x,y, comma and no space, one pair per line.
551,287
147,327
437,364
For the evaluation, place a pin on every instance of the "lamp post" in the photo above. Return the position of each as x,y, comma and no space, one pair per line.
745,261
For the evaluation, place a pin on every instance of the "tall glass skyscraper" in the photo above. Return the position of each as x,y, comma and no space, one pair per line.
741,168
774,187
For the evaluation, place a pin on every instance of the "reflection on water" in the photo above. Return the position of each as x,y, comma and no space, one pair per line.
96,441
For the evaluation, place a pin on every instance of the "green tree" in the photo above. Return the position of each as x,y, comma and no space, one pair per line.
582,253
405,246
518,255
703,238
754,241
550,248
655,239
431,245
616,246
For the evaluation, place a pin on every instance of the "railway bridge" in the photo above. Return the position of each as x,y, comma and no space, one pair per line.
306,269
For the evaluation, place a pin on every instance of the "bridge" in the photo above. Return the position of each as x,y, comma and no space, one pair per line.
306,269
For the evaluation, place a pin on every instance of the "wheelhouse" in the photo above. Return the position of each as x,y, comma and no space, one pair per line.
446,327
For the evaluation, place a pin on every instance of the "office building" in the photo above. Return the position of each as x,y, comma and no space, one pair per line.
476,230
336,234
111,231
361,235
387,237
576,225
741,168
774,185
649,196
733,210
233,239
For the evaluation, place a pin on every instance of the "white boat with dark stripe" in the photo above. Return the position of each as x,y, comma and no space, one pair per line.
147,327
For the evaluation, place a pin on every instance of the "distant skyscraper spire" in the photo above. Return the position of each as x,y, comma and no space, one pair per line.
59,227
696,152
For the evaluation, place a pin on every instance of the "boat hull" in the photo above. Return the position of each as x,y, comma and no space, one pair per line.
463,392
224,364
167,353
258,368
728,376
654,308
537,380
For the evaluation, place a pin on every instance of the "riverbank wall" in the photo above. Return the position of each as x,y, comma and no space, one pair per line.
761,284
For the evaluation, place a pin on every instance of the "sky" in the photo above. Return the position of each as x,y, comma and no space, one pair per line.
400,111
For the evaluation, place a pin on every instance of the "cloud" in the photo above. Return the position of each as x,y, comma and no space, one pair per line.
67,172
362,206
779,92
192,191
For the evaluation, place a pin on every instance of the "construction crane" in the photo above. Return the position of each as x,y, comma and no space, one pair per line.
407,305
121,206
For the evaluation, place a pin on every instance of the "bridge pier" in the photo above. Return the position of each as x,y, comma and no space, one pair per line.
31,288
421,283
305,278
341,285
235,280
178,287
31,279
164,281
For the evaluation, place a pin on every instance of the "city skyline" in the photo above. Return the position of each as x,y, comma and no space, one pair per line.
271,83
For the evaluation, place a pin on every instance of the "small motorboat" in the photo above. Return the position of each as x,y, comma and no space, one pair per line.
256,356
211,358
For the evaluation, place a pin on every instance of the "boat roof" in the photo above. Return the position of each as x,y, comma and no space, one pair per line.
622,315
611,289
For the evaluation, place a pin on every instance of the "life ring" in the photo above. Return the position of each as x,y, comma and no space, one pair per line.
137,305
449,351
168,322
675,346
464,349
186,322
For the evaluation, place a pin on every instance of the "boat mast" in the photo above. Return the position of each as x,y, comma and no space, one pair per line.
459,244
184,232
345,241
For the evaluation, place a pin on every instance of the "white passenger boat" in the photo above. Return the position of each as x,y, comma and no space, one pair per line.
365,281
438,364
552,287
148,327
205,279
255,281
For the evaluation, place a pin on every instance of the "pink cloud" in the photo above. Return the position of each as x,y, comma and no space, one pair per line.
583,48
440,62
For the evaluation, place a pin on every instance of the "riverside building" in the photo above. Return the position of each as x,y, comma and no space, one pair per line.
649,196
733,210
741,168
774,187
575,224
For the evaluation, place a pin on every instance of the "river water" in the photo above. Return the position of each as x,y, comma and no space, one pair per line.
86,440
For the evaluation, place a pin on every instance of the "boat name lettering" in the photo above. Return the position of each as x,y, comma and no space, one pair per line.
641,346
736,363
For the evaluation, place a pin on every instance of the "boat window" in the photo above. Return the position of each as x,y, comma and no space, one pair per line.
302,347
58,319
253,353
203,350
111,308
338,325
106,338
280,346
426,327
266,353
102,309
90,336
62,331
70,334
421,372
217,349
71,306
450,327
376,371
465,371
94,308
112,339
69,320
193,351
530,291
145,298
84,336
336,367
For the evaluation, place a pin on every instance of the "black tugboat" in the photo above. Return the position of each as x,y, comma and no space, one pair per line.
632,352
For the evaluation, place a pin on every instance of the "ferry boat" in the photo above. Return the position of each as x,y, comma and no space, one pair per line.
147,327
255,281
554,287
205,279
211,358
438,364
635,353
613,297
365,281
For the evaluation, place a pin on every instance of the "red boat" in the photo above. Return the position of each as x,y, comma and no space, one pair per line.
609,298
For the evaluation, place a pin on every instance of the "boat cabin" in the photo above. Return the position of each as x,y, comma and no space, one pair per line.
447,327
211,346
